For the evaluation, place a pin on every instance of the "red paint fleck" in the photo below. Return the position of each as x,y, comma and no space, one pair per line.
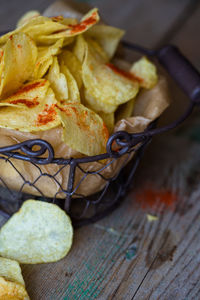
126,74
28,103
19,46
47,115
29,87
11,37
154,198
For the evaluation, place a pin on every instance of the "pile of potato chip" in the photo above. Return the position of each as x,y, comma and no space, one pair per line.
58,72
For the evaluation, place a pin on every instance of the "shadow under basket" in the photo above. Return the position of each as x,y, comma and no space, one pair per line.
85,210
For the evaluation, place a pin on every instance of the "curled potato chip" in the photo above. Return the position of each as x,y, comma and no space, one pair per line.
79,48
45,58
42,233
10,290
17,63
146,72
107,36
34,108
73,64
10,270
106,85
73,91
84,131
58,81
27,16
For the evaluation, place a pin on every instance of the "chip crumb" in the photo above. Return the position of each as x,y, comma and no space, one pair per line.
151,218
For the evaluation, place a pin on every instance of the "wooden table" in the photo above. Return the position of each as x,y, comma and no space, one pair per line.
127,255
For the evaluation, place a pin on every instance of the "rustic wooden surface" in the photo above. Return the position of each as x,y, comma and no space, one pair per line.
125,256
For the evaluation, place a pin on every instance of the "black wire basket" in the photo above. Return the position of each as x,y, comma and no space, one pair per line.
84,210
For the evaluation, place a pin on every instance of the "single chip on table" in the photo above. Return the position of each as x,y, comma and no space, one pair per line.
17,63
10,270
35,108
39,232
84,130
146,72
12,285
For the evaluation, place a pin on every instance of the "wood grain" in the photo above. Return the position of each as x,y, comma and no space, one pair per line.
125,256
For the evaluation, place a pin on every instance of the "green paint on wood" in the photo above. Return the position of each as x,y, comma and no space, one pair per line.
131,252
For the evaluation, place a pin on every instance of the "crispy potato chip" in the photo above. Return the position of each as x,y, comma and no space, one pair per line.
73,64
12,291
41,69
17,63
109,120
84,131
146,72
96,105
108,37
73,91
106,85
125,110
35,108
10,270
58,81
79,48
42,233
97,51
45,58
27,16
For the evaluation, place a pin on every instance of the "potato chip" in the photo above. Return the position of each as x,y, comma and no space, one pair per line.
97,105
125,110
73,64
35,108
42,233
109,120
45,58
12,291
27,16
145,71
58,81
97,51
104,84
73,91
84,131
108,37
17,63
10,270
79,48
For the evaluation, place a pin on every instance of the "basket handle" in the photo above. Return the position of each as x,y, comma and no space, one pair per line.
181,70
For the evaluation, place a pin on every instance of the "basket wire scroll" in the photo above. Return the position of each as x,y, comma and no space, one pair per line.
84,210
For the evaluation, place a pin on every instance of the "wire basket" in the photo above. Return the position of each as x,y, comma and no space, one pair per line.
84,210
